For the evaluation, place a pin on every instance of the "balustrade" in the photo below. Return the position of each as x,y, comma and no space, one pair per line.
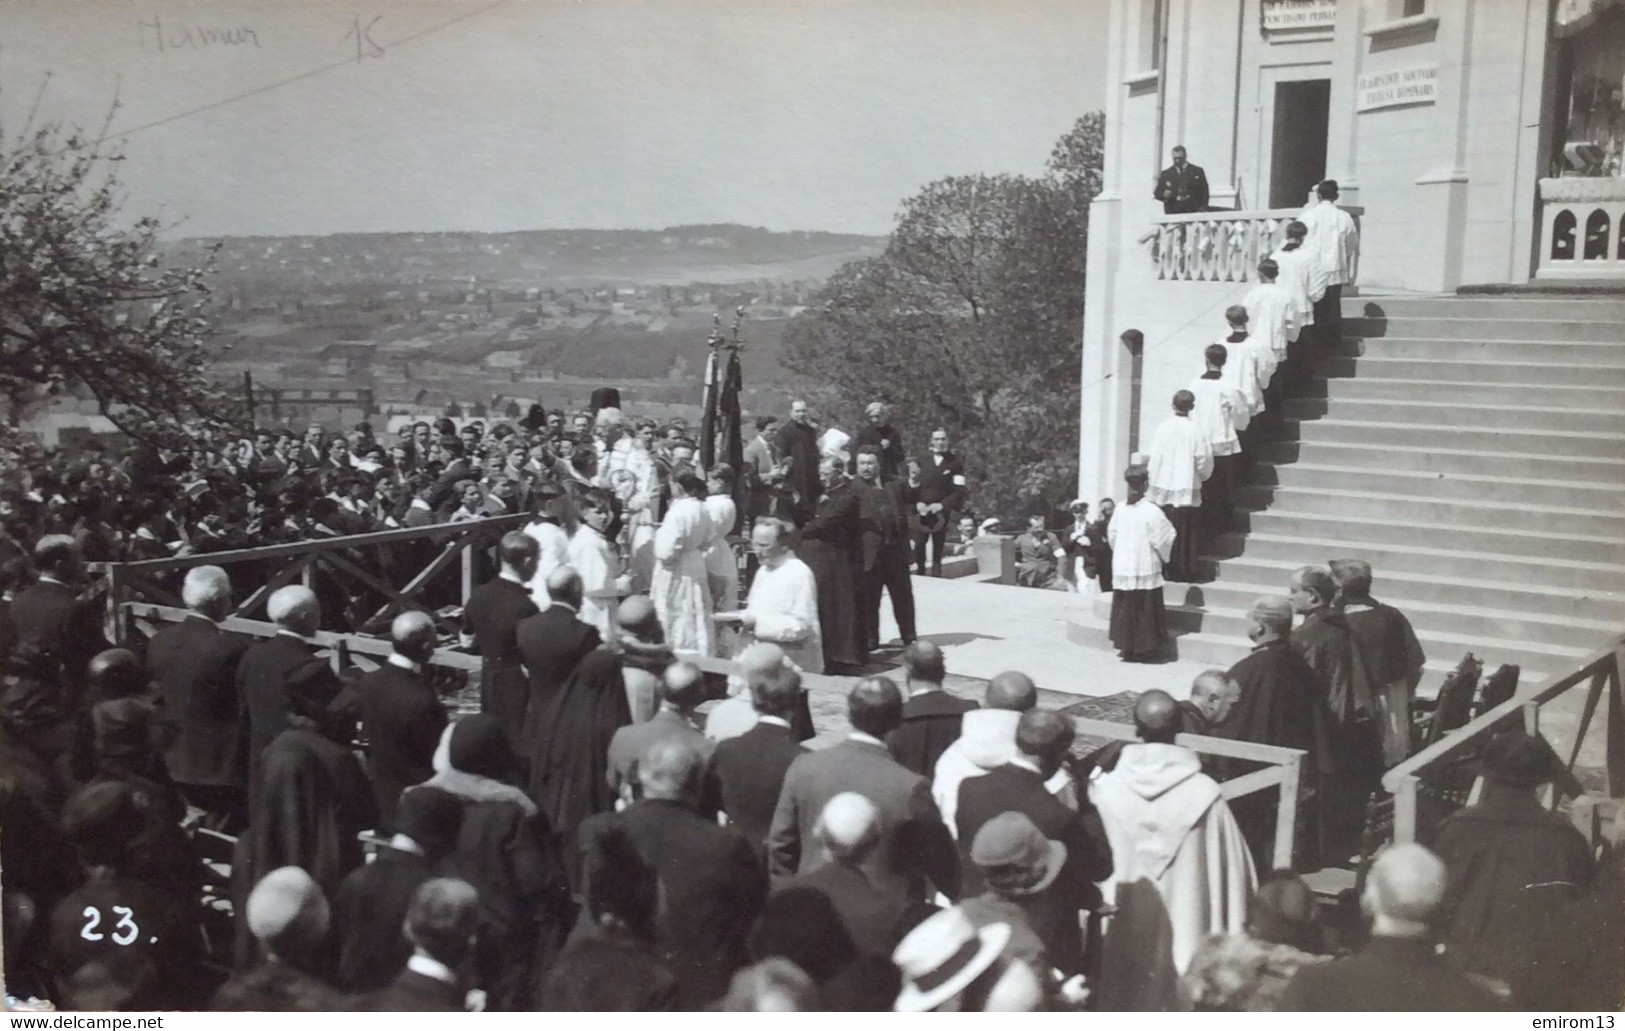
1219,246
1582,229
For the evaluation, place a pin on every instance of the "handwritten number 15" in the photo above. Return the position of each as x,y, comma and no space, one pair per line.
125,930
365,46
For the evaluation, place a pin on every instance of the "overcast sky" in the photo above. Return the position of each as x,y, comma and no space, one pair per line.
521,114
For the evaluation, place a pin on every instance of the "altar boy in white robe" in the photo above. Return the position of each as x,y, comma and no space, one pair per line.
782,606
1269,322
1180,459
1220,411
680,587
595,559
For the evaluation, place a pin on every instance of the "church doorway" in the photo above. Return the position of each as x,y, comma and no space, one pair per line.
1298,145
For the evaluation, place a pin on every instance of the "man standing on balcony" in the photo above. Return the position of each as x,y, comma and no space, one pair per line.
1333,244
1182,186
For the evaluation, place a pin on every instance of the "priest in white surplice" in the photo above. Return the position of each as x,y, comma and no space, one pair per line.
1221,410
1297,277
783,603
1180,868
1141,538
552,541
1334,244
680,586
1179,460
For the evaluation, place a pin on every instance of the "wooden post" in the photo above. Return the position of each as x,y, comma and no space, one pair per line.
1531,718
1616,725
1405,811
116,592
1286,814
468,572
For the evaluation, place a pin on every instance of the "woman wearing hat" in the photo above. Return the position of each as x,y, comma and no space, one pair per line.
950,965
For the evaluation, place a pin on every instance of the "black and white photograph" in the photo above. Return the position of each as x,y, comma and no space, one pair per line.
1094,506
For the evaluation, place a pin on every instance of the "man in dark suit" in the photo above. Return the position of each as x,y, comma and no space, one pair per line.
441,924
1182,186
747,772
401,715
193,665
940,493
885,438
915,845
871,908
883,550
49,616
712,880
550,644
682,689
371,904
932,718
278,666
1399,968
1043,739
797,442
491,622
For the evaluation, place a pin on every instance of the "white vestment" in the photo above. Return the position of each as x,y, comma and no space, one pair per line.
679,587
1180,871
784,601
1180,459
1269,321
1333,244
595,559
1221,409
1297,278
1142,538
555,552
720,563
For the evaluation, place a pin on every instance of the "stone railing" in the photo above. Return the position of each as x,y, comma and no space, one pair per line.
1582,234
1219,246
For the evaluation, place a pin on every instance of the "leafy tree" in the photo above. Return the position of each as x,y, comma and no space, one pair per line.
972,319
87,307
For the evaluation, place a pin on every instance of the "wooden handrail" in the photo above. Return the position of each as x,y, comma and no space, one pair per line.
1459,738
317,545
357,643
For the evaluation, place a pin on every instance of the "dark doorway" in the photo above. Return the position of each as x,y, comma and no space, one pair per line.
1298,157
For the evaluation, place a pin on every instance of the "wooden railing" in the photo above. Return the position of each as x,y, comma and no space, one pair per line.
1600,673
1220,246
1582,229
124,582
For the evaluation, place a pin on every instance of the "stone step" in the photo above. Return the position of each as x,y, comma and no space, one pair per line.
1528,519
1440,534
1580,309
1532,490
1446,462
1512,440
1221,651
1240,580
1490,328
1541,350
1543,396
1566,573
1462,370
1462,414
1226,613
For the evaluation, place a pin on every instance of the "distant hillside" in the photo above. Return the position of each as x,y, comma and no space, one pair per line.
257,266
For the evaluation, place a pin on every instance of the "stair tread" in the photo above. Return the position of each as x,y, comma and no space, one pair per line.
1601,626
1349,338
1480,646
1463,405
1468,452
1416,549
1476,362
1527,431
1423,474
1432,384
1576,538
1473,583
1471,503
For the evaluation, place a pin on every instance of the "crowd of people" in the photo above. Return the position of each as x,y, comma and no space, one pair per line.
606,835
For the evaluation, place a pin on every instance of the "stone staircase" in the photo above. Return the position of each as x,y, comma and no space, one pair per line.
1472,449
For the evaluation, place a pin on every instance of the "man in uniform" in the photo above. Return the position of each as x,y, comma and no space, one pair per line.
1182,186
